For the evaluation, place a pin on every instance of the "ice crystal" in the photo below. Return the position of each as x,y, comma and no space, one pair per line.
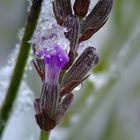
45,37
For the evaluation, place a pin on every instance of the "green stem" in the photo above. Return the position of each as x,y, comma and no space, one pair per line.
20,64
44,135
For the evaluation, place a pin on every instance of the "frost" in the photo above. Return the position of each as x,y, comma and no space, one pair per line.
25,95
47,12
45,37
20,34
5,74
48,31
30,4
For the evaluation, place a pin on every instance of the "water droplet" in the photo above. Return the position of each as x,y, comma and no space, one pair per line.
78,87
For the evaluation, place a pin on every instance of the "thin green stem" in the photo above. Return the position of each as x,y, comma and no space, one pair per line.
44,135
20,64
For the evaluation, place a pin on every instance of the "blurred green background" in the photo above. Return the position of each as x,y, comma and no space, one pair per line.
107,106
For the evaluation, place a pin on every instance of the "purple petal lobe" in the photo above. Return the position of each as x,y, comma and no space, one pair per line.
54,59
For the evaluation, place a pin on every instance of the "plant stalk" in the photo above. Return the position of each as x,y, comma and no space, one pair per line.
44,135
20,63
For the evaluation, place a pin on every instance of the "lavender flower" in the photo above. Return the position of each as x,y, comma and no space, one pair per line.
50,57
55,52
54,60
51,50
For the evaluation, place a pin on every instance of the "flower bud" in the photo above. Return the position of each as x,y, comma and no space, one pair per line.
79,69
83,64
96,19
72,34
61,9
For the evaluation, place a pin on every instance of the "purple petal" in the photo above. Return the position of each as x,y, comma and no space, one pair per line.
57,56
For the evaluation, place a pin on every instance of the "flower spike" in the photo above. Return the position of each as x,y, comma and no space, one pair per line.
55,51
